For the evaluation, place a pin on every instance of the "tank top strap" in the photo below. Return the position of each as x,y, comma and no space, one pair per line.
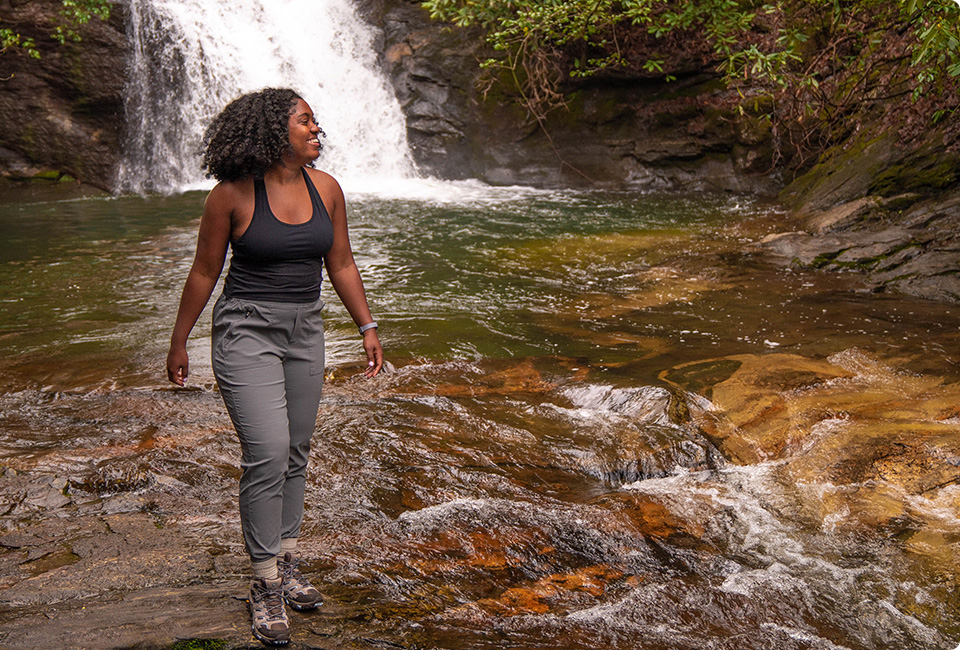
260,202
318,206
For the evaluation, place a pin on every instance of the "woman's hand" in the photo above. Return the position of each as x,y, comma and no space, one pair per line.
178,365
371,344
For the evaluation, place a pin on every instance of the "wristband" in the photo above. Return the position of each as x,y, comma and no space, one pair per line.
372,325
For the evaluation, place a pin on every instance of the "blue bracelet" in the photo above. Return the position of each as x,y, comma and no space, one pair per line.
372,325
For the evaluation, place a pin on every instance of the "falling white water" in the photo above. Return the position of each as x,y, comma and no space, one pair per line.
191,57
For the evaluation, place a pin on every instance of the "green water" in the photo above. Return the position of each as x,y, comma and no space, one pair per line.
486,279
102,276
527,477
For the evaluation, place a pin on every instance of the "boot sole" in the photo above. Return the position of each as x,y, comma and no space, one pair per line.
301,607
267,640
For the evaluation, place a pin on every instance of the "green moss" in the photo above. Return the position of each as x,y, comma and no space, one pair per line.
51,175
675,90
199,644
572,115
753,130
824,259
871,263
901,202
931,172
675,115
758,106
28,140
717,118
839,170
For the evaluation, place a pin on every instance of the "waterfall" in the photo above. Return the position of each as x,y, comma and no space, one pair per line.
191,57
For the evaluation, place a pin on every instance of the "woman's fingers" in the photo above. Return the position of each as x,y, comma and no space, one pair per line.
374,356
177,366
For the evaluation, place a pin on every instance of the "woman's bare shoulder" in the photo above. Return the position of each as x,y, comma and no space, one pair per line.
232,192
329,190
324,181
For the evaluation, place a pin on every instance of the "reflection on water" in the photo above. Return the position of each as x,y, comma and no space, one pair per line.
611,426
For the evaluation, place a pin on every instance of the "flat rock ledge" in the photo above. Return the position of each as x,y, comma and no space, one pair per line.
86,572
899,243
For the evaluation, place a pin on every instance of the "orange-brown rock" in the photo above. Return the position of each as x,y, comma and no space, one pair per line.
651,518
550,591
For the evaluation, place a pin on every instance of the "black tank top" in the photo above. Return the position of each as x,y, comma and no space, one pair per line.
277,261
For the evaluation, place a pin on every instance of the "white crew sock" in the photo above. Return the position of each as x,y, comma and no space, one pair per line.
288,545
266,570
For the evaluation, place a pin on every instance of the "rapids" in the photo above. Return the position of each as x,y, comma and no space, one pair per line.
610,425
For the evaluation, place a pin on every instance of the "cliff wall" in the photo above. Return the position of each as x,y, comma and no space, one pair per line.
62,114
871,204
629,131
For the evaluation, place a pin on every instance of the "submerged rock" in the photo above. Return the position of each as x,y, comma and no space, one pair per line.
748,411
849,420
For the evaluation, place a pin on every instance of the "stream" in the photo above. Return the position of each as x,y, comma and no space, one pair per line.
611,424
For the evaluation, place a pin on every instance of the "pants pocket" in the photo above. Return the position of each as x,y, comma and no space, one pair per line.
239,328
314,331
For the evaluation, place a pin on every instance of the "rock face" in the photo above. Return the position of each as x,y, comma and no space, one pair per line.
636,132
61,114
888,212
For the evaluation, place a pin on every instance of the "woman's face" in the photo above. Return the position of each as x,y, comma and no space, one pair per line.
304,133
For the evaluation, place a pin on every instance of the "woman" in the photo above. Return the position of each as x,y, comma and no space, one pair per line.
284,221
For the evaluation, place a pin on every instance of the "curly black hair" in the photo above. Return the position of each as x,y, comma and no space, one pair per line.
249,136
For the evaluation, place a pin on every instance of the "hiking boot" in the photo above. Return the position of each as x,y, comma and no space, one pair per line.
268,615
297,590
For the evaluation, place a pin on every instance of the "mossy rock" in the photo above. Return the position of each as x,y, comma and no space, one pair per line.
879,166
926,172
844,173
676,115
199,644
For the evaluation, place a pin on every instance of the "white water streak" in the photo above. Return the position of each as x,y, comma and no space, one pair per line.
191,57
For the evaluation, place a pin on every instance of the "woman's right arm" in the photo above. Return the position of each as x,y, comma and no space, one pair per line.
212,245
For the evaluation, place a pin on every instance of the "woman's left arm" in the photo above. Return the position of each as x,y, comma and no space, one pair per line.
342,269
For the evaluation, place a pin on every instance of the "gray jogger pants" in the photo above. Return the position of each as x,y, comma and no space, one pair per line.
268,361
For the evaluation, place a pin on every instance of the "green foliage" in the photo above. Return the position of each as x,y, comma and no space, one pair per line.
936,24
72,15
820,64
540,41
9,38
530,36
76,13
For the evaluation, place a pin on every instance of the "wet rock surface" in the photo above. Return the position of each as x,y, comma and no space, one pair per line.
711,459
887,211
916,252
